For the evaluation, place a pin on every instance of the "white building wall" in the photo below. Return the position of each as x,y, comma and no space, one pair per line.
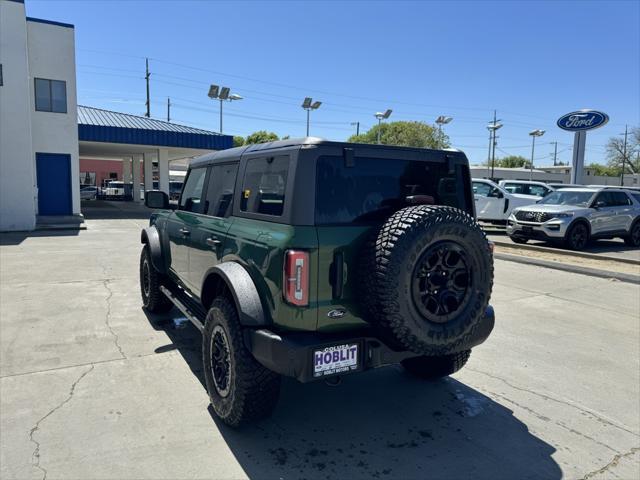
17,160
52,56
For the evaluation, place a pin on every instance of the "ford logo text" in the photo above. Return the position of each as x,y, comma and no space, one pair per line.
582,120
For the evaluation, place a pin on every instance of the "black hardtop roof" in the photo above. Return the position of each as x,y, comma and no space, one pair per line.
223,156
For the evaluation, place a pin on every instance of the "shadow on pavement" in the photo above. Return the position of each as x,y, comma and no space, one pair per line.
105,209
379,424
16,238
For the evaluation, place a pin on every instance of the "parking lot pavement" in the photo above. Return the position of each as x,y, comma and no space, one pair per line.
93,388
614,248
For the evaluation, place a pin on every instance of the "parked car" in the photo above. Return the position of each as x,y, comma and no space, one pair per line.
526,187
314,259
89,192
574,216
494,204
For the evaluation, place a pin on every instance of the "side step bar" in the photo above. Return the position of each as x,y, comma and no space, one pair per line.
190,314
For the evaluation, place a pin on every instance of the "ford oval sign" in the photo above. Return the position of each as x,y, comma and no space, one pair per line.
582,120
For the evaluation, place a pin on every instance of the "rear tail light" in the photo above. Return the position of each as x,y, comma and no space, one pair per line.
296,277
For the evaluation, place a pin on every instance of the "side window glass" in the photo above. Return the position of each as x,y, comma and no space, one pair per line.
220,190
481,189
263,187
603,199
192,193
619,199
537,190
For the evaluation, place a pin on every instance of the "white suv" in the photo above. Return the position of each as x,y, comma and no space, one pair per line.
526,187
576,215
494,204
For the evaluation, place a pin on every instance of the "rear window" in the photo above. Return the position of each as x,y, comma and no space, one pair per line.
264,184
376,187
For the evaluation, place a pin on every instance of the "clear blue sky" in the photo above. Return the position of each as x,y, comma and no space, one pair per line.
532,61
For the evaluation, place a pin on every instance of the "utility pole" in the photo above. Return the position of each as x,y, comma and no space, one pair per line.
168,109
555,153
357,125
146,77
624,156
492,127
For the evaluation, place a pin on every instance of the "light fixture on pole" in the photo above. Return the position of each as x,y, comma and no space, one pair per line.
382,116
442,120
534,134
216,92
308,104
493,127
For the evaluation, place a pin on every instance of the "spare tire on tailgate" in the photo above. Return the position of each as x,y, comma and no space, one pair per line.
426,279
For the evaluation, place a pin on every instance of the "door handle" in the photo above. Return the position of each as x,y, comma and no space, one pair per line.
185,232
213,242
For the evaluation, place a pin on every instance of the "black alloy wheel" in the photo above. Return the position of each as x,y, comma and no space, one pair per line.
441,281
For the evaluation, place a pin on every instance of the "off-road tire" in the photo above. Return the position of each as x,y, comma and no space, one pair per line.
388,260
577,236
253,390
150,280
432,368
519,240
633,239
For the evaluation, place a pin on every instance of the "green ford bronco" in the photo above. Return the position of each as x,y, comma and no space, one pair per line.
315,259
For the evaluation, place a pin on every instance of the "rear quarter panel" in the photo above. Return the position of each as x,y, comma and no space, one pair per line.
259,246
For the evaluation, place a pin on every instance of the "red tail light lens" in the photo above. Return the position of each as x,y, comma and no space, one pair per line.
296,277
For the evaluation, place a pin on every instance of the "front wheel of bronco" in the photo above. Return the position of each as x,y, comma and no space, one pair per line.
150,280
241,390
432,368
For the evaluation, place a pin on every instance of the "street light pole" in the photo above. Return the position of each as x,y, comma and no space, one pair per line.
534,134
308,104
216,92
442,120
380,116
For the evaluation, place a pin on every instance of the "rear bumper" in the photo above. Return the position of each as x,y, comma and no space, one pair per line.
293,354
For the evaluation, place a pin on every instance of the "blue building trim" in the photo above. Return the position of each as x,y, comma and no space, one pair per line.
50,22
159,138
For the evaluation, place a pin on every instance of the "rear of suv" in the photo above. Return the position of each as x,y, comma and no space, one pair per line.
315,259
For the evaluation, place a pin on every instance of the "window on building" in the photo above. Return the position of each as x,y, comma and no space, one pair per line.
51,95
263,188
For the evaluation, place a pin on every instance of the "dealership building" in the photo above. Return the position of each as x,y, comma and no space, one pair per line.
45,136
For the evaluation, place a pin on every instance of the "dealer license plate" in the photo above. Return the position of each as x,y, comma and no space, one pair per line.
335,359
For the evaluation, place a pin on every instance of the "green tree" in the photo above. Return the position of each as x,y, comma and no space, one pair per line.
603,170
615,152
238,141
408,134
513,161
261,136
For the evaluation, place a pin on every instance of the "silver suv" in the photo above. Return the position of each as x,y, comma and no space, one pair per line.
576,215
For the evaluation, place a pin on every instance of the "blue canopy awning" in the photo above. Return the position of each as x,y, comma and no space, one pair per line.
98,125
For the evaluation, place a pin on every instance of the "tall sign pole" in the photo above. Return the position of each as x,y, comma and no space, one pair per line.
580,122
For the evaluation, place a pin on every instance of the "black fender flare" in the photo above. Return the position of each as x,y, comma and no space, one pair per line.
243,290
583,220
151,237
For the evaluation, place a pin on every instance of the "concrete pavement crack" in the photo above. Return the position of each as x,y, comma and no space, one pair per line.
614,462
557,400
35,456
108,318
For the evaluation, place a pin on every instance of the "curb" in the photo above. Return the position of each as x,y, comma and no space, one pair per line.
593,272
570,253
